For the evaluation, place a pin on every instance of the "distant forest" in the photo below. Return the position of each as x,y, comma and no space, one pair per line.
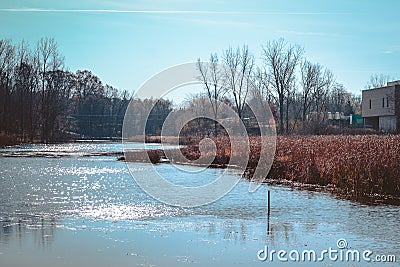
41,100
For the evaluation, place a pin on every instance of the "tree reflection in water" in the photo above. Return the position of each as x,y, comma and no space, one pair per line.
41,229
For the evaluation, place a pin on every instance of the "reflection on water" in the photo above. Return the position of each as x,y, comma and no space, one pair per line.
92,204
42,230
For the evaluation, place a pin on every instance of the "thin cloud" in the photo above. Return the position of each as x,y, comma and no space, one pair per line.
319,34
164,11
392,49
366,71
214,22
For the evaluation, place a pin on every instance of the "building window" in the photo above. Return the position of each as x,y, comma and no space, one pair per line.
383,102
370,104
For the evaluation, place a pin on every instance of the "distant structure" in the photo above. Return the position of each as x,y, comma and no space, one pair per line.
381,107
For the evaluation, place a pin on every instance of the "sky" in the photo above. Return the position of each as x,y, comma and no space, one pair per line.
126,42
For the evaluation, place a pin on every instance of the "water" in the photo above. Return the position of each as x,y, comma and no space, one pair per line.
76,205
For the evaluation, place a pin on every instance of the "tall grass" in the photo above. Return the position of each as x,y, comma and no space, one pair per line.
364,167
361,166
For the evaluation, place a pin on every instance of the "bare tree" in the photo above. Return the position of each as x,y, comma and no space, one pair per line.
322,88
211,76
308,82
338,97
7,63
39,99
263,86
378,80
316,83
281,60
240,65
23,85
50,61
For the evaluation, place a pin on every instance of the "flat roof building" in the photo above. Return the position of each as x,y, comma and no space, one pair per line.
381,107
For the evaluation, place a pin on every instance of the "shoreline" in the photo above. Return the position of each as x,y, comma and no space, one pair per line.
276,176
373,200
7,141
344,177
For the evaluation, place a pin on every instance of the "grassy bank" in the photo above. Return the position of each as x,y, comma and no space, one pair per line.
363,167
366,168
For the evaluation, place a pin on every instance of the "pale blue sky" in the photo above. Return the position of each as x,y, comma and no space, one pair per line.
129,41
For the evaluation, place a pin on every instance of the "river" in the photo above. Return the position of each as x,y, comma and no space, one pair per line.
74,204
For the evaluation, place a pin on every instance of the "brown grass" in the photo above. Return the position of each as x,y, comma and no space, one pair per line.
361,167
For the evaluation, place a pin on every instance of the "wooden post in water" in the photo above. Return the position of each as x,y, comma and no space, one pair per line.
269,203
269,211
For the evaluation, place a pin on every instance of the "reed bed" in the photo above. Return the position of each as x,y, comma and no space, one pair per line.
361,167
364,166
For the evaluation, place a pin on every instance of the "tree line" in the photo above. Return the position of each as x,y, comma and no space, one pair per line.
299,92
41,100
